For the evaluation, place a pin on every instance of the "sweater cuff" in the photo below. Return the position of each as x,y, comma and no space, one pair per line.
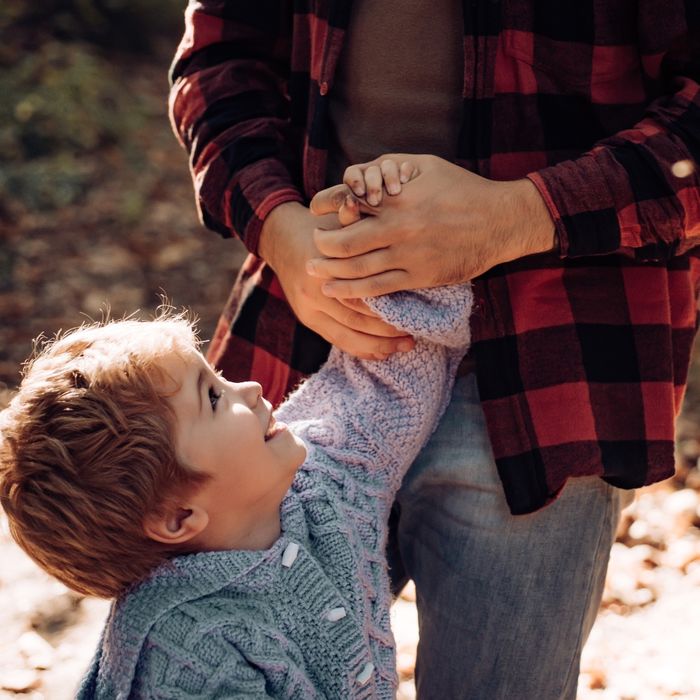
440,315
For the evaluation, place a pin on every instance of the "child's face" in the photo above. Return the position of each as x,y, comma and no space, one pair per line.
227,430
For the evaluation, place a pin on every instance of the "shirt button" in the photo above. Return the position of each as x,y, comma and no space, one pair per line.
366,673
323,88
335,614
290,554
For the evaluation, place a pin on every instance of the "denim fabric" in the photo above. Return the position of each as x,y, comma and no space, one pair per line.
505,603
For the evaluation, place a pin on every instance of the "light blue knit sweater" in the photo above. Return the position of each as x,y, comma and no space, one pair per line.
309,617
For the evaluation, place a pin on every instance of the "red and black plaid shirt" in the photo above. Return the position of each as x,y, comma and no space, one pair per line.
581,358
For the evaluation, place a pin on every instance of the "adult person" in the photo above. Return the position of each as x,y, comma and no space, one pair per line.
561,177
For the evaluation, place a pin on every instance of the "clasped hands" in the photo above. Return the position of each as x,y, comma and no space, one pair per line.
398,222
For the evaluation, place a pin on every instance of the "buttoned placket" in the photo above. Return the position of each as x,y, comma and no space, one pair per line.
289,556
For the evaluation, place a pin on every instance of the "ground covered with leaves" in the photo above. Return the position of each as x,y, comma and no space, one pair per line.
97,216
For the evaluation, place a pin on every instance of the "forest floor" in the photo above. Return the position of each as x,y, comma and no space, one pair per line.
133,237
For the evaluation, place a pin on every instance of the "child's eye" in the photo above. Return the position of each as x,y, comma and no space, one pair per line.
214,397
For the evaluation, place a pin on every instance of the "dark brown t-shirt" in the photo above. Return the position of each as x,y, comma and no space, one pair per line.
398,87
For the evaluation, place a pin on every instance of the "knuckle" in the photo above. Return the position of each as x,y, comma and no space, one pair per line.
359,267
306,293
345,247
338,199
350,317
375,287
343,340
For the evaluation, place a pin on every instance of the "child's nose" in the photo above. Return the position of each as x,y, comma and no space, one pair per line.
252,391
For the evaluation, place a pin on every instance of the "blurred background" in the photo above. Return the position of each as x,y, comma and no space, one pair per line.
97,213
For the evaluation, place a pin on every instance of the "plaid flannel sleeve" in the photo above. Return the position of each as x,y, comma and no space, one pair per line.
230,110
638,192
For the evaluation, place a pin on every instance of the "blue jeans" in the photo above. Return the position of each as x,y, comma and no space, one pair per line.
505,603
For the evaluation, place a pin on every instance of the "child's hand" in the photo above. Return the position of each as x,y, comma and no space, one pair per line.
367,180
363,186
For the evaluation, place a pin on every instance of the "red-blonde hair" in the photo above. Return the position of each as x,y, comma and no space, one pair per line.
87,450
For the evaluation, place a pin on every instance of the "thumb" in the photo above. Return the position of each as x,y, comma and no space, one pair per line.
349,213
330,200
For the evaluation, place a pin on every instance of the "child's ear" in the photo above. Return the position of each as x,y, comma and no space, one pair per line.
177,524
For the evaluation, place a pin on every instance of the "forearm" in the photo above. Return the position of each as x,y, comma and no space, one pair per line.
229,109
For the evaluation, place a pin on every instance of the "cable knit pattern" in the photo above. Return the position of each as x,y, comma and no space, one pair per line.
309,617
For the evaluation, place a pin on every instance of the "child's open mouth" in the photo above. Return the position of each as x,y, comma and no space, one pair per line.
274,428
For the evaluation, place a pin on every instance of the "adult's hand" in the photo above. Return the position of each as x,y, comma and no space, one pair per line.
448,225
286,244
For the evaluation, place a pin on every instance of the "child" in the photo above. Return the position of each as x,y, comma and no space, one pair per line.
246,550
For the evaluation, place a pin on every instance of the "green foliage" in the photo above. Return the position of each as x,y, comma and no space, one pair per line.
62,97
121,24
67,92
61,102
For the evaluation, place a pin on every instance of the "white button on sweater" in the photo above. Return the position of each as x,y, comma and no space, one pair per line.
336,614
290,554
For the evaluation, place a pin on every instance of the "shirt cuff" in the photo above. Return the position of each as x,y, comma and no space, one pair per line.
259,190
580,202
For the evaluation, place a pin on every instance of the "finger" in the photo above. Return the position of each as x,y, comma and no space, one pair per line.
373,184
330,200
358,305
373,263
354,178
390,173
365,345
384,283
356,239
372,325
349,213
407,171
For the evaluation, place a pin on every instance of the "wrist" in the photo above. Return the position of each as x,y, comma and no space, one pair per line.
276,229
532,225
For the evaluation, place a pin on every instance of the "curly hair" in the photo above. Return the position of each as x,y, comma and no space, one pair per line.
87,449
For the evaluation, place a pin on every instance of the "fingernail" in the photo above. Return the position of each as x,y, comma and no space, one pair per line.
405,346
350,201
310,267
393,188
372,200
403,178
327,289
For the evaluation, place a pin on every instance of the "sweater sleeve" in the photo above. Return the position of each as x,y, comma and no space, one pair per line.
638,192
229,109
373,417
